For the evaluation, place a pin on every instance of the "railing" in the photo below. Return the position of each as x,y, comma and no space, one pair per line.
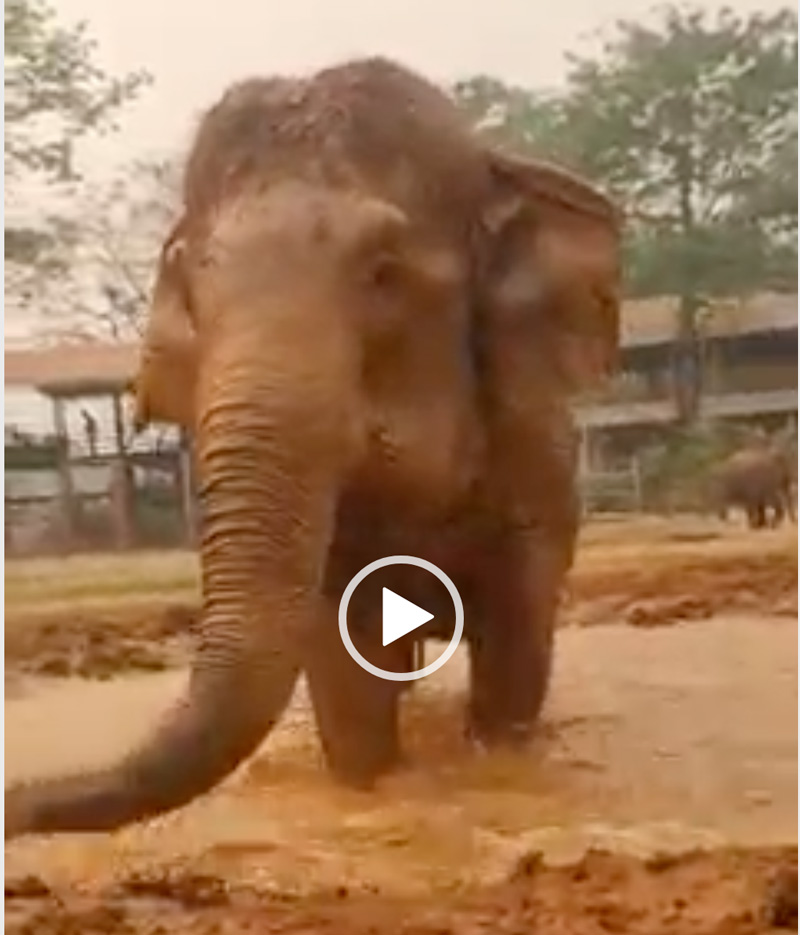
625,413
612,491
628,389
731,403
628,401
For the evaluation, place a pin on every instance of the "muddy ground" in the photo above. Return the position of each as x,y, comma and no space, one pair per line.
97,617
659,797
731,892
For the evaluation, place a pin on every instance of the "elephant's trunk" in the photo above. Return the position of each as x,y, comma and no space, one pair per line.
268,462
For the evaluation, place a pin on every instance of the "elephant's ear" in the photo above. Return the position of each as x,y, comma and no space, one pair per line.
164,386
552,268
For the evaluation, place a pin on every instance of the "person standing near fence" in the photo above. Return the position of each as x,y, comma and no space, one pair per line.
90,430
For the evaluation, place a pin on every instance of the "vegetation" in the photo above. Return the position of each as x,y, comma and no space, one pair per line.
689,120
54,94
691,123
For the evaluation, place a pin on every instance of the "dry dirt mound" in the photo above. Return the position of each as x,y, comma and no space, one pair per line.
98,642
733,892
666,589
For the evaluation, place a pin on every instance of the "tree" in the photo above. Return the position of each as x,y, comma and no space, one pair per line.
514,117
54,94
109,245
692,124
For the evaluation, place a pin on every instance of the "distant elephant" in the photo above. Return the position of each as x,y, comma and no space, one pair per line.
759,481
370,324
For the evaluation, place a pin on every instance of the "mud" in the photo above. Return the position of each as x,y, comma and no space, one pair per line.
650,574
653,742
98,642
727,892
660,795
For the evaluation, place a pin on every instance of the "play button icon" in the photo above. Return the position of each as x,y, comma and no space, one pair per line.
400,616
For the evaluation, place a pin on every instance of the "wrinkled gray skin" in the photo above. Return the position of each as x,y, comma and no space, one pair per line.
759,481
369,323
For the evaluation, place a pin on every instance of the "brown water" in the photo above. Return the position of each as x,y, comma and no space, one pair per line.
652,739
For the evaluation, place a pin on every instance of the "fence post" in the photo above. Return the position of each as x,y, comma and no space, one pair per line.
123,491
638,493
66,491
189,500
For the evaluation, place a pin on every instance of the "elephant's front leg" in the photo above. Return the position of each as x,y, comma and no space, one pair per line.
791,510
356,712
778,512
511,647
757,514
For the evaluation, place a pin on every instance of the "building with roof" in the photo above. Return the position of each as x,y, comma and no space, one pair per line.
76,472
749,358
749,353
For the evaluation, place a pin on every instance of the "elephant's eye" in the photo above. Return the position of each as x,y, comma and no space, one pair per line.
384,274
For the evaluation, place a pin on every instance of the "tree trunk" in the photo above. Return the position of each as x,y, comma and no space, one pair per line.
687,364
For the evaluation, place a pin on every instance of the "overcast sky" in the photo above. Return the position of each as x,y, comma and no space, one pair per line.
194,48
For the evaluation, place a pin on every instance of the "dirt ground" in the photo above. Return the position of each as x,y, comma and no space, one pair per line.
99,616
660,795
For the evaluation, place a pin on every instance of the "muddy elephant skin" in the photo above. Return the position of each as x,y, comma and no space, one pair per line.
370,324
758,480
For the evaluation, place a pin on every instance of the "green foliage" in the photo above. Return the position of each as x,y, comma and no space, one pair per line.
691,123
676,472
55,93
32,455
517,118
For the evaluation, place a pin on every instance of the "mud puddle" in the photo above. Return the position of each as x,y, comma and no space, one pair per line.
653,740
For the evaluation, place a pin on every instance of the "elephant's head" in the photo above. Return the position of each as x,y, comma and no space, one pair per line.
315,340
312,342
164,385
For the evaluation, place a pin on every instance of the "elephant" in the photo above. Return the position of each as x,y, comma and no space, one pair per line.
370,322
759,480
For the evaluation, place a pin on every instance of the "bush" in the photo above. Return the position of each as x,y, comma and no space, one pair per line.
675,472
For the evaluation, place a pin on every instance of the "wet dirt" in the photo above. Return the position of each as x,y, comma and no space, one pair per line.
644,573
98,642
660,795
729,892
654,742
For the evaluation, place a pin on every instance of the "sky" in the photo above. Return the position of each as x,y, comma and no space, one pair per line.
194,49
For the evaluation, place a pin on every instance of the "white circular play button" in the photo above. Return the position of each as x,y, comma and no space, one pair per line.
401,616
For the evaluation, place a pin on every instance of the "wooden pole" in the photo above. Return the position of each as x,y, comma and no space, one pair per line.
188,493
67,504
121,486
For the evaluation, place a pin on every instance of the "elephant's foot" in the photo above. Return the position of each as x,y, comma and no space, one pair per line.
503,712
485,737
360,763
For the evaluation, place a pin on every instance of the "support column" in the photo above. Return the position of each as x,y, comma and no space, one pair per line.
191,520
66,490
122,489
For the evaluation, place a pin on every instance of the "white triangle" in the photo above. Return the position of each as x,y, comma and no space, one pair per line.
400,616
